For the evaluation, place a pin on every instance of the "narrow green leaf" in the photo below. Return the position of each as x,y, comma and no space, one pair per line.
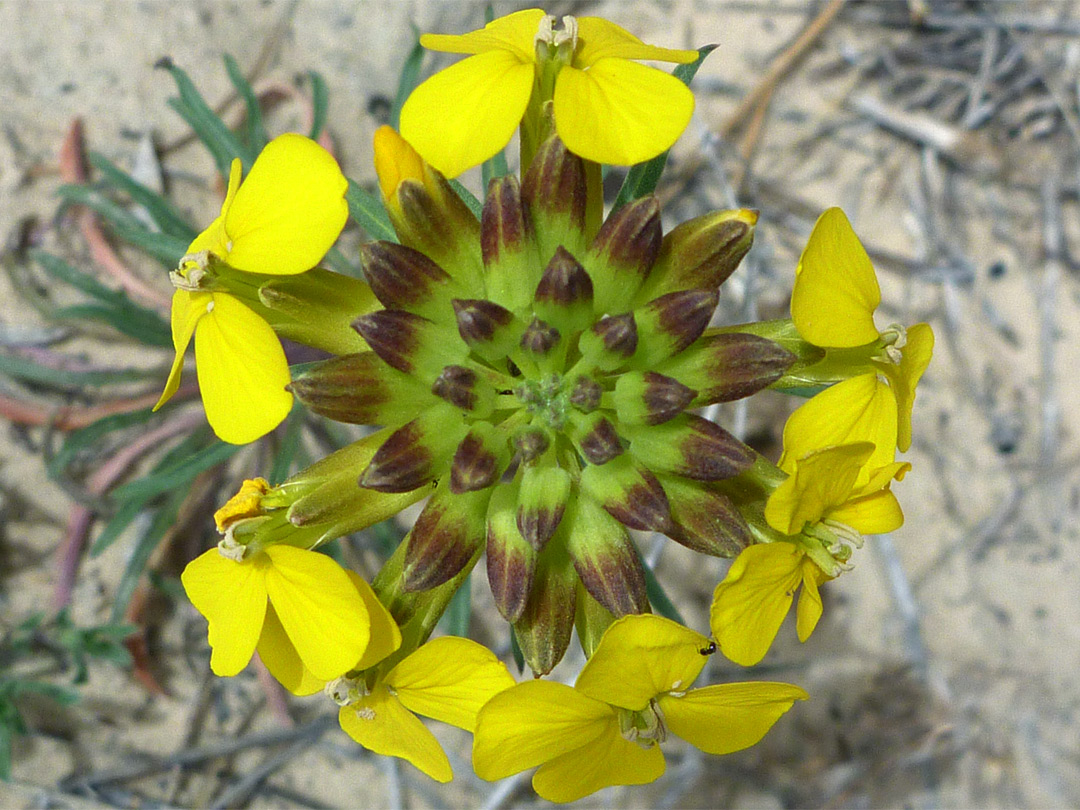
208,127
178,475
290,444
256,133
515,650
455,621
79,440
494,167
163,212
127,227
643,177
658,598
368,212
147,331
24,369
320,103
408,79
163,519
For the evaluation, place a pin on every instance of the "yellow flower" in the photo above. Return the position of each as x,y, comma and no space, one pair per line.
447,679
831,497
832,305
607,108
280,221
306,615
631,693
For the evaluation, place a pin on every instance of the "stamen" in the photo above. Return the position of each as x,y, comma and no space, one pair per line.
345,691
567,34
545,34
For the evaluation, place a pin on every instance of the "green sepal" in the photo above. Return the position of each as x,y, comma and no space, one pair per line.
622,254
542,499
564,294
412,344
670,323
449,531
317,308
629,492
544,628
730,366
417,452
404,278
690,446
649,398
555,191
594,436
360,389
700,253
604,557
511,266
511,559
480,458
704,520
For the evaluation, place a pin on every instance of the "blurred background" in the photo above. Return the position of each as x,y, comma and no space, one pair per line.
944,671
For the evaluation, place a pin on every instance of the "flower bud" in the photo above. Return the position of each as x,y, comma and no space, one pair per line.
595,437
729,366
648,398
701,253
416,452
511,270
541,501
489,330
403,278
623,252
446,535
544,628
670,323
691,446
511,560
564,295
610,342
411,343
360,389
605,559
554,189
704,520
629,492
480,458
426,212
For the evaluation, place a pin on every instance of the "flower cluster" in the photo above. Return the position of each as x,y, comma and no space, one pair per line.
537,373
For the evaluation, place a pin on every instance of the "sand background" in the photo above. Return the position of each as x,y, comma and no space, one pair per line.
944,672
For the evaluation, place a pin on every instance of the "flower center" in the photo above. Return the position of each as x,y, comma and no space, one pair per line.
646,727
547,399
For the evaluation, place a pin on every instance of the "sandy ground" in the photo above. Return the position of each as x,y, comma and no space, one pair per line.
944,672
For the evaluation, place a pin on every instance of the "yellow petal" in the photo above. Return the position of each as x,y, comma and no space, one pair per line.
214,238
320,609
463,115
242,372
861,409
532,723
809,610
836,291
515,33
599,38
395,160
187,309
232,597
449,679
728,717
871,514
822,481
915,357
281,658
381,724
385,635
289,210
607,760
639,657
750,604
620,112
